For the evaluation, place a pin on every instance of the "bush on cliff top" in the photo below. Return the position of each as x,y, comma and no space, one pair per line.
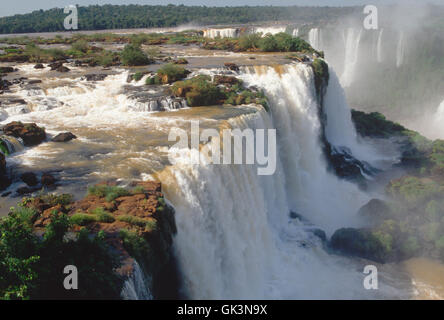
28,263
133,55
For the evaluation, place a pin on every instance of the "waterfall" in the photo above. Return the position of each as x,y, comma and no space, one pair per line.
136,286
352,40
269,30
236,239
221,33
12,144
314,38
295,32
400,50
379,47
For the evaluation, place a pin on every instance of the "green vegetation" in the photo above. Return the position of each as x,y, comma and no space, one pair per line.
170,73
133,55
321,73
201,91
108,192
96,17
149,224
281,42
31,267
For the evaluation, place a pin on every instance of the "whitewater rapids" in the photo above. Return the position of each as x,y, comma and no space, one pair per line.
235,237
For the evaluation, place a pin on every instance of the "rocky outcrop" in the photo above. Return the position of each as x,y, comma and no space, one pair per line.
138,226
4,179
358,242
39,66
375,211
64,137
231,66
29,178
95,77
227,80
30,133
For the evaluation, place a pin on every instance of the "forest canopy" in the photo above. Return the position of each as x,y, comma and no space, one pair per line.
97,17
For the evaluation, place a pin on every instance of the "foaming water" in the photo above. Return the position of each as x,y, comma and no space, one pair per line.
352,38
400,50
269,30
236,239
314,38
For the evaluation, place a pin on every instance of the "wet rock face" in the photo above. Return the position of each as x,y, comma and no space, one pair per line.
30,133
360,243
4,179
29,178
231,66
39,66
95,77
64,137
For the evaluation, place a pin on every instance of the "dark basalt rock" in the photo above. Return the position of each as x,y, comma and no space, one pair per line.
24,190
375,211
95,77
4,179
39,66
231,66
48,179
29,178
6,69
30,133
358,242
64,137
63,69
55,65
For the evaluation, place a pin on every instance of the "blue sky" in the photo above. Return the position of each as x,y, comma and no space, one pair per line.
24,6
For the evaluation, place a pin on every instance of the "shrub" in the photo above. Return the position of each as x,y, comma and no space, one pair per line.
170,73
101,215
199,91
149,224
82,219
108,192
137,76
133,55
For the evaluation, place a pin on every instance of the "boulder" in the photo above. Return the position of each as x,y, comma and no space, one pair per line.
39,66
95,77
358,242
64,137
181,61
63,69
29,178
231,66
6,69
226,80
375,211
4,179
30,133
48,179
55,65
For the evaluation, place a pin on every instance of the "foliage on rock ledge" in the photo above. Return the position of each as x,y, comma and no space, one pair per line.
98,234
411,222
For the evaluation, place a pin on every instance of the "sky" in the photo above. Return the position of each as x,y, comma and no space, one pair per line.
8,8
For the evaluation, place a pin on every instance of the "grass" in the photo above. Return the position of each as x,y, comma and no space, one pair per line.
110,193
149,224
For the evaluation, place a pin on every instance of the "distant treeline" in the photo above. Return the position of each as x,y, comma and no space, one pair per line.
144,16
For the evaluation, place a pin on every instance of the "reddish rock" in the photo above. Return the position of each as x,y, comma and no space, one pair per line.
30,133
225,80
231,66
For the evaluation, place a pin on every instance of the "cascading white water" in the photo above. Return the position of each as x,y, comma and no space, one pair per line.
314,38
400,50
222,33
295,32
235,237
136,286
379,47
352,39
269,30
339,128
